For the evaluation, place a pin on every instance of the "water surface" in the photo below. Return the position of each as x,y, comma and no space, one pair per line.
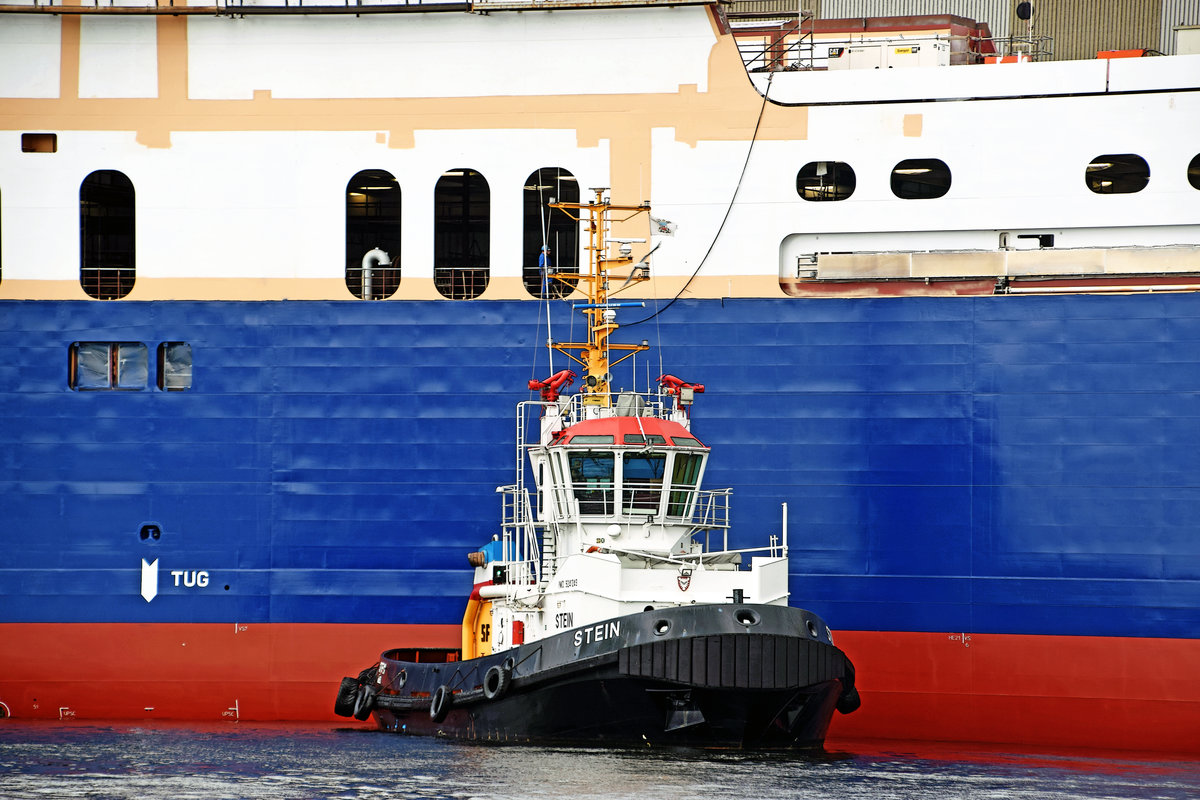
249,760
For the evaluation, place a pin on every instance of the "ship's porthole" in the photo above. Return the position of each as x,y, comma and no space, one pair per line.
920,179
662,626
1117,173
825,180
648,608
812,629
746,616
150,532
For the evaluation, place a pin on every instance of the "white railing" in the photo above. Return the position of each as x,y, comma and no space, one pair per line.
240,7
519,533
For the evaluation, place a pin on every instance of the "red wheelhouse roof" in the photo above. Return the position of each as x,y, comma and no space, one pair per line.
621,427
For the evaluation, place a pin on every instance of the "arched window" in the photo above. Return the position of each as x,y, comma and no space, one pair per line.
372,222
920,179
107,266
1117,173
1194,172
825,180
461,241
552,228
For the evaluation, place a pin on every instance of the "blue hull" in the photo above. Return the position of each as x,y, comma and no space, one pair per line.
992,465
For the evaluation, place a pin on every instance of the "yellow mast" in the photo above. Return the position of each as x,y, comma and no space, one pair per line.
601,314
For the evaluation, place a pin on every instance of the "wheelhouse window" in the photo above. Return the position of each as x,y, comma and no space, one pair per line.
920,179
174,366
372,223
685,475
641,482
97,366
592,477
1194,172
1117,173
107,266
552,229
461,246
825,180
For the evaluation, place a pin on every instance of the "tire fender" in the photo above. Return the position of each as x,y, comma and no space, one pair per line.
495,682
439,706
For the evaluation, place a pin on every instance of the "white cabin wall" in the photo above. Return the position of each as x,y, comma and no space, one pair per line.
118,57
30,56
448,55
1007,172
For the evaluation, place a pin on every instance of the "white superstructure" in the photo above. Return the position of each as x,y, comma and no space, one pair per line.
239,131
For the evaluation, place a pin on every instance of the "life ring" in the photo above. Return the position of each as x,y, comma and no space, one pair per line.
365,701
495,682
439,707
347,696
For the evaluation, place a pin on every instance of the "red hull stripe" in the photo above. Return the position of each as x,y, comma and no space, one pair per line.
192,671
1052,691
1049,691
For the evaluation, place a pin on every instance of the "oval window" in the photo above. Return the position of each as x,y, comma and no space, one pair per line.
920,179
107,235
825,180
1194,172
1117,173
372,223
462,203
547,272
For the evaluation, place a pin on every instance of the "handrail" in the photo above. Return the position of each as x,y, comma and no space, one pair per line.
230,9
240,8
688,559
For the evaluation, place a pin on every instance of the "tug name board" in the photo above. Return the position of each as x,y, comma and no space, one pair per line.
597,633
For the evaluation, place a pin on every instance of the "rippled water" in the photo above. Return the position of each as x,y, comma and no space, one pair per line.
241,760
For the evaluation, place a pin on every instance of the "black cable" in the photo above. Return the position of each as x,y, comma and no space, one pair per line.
728,211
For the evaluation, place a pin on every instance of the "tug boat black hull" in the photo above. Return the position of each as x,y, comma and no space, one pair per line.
724,676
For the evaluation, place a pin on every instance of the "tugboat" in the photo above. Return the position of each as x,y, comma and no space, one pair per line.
609,607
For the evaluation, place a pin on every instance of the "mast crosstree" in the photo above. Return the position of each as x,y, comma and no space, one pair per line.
595,355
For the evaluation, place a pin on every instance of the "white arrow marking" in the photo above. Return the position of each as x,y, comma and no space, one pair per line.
149,580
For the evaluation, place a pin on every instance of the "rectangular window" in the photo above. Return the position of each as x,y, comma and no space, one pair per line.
122,366
592,474
684,477
39,142
642,477
174,366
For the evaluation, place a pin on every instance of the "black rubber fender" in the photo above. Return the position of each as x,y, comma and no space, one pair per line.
848,701
364,701
347,694
495,682
439,707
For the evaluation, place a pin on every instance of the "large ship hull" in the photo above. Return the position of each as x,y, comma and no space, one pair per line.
990,496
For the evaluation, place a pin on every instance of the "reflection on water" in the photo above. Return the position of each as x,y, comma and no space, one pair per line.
248,760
